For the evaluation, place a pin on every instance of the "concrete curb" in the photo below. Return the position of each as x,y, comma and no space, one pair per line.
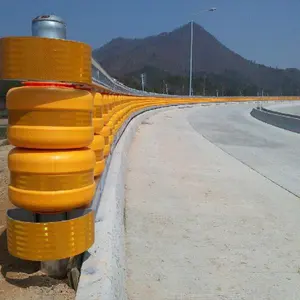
279,113
280,120
103,272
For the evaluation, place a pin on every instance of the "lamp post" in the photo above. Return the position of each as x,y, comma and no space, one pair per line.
191,49
143,75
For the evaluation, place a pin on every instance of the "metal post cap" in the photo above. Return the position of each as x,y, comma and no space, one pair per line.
49,26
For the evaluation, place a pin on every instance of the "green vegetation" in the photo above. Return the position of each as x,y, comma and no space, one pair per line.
217,70
228,83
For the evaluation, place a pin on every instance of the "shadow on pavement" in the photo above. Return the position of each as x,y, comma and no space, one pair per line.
19,272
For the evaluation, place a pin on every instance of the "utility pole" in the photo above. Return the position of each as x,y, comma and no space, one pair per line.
204,86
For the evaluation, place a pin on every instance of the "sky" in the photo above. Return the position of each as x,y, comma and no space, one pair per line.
266,31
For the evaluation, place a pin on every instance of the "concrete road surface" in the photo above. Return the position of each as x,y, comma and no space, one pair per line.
203,219
290,108
273,152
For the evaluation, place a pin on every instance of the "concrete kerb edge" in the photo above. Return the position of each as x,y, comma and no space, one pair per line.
275,112
279,120
103,272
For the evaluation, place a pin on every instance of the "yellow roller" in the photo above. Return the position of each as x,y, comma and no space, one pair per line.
110,104
106,109
98,120
98,147
51,181
49,118
49,240
106,132
110,139
44,59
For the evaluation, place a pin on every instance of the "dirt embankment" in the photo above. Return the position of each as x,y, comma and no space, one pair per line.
22,280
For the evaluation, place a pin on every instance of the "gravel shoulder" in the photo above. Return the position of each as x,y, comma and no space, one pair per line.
200,224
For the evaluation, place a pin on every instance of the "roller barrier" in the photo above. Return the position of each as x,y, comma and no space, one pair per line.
63,129
63,121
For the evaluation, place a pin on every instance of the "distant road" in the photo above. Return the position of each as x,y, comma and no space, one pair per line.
291,108
271,151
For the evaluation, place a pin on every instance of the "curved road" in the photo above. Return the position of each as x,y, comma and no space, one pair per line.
271,151
211,207
291,108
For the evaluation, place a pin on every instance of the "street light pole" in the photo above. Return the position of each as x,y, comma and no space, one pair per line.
191,58
191,50
143,81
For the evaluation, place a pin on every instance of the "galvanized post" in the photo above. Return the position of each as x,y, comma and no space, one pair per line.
51,26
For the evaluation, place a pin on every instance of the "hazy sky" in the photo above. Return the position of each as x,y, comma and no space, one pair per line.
267,31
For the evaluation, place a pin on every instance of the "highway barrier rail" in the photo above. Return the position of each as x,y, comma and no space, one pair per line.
64,115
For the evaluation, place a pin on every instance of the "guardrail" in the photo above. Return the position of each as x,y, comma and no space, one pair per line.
63,119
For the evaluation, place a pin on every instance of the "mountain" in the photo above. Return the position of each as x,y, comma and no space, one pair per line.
169,53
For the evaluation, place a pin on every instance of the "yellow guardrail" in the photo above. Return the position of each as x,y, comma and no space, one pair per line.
63,126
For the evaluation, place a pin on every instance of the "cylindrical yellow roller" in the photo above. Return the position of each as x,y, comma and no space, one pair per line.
98,147
51,181
106,132
110,139
49,240
49,118
116,101
98,120
111,126
110,104
106,109
43,59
